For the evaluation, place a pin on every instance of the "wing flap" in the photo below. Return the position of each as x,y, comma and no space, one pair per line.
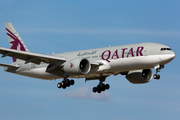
29,56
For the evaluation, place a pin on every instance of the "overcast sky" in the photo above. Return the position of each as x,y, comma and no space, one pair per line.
67,25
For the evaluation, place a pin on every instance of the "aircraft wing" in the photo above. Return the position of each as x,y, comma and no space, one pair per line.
10,66
30,56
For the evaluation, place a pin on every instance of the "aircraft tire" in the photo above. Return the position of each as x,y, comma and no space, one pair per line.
63,84
102,87
64,87
94,89
107,86
71,82
156,77
67,83
59,85
99,91
98,87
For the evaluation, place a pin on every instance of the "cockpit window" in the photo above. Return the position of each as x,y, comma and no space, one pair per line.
162,49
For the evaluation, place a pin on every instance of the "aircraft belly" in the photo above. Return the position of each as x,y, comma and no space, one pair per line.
39,73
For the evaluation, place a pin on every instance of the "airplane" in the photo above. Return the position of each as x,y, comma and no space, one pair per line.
135,61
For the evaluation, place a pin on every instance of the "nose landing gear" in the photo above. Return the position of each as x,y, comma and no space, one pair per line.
157,76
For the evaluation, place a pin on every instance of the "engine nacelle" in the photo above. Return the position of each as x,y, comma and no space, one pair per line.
140,76
77,66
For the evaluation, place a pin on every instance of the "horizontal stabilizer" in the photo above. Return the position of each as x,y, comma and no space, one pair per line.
10,66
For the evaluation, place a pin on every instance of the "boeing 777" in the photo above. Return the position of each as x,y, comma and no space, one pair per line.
135,61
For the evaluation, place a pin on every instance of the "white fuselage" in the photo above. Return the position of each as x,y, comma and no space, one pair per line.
113,60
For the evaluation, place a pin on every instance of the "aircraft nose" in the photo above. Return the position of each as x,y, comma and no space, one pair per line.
172,55
168,57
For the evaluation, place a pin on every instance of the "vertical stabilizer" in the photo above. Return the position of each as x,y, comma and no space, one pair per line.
15,41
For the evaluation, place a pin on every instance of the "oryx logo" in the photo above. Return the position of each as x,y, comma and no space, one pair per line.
16,44
71,66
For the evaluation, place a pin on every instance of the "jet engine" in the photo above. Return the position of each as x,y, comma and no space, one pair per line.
77,66
140,76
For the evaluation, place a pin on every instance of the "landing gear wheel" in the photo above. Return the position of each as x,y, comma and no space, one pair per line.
99,91
102,87
67,82
71,82
94,89
156,76
63,83
64,87
98,87
59,85
107,86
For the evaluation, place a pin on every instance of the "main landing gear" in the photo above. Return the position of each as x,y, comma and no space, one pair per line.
65,83
157,76
101,86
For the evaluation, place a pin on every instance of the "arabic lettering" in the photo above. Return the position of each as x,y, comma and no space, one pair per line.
86,53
